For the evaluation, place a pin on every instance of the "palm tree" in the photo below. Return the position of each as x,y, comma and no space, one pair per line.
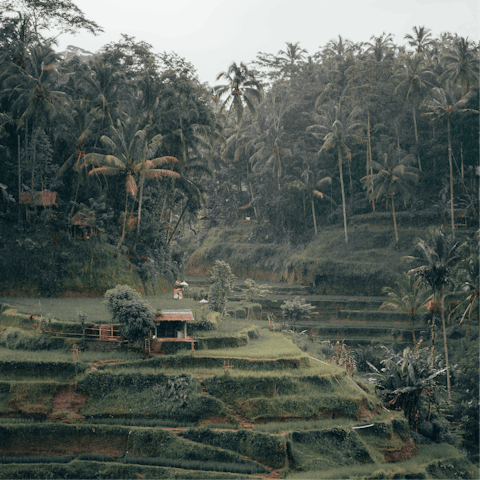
462,64
32,88
337,132
270,150
131,158
414,81
292,53
466,290
104,83
439,254
241,89
441,107
338,49
407,297
422,39
393,177
381,48
312,189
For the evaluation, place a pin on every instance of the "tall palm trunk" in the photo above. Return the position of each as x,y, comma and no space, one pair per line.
412,318
124,222
343,194
139,215
416,138
394,220
451,175
313,214
445,343
369,152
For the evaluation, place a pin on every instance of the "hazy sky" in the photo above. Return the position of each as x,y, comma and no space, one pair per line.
212,34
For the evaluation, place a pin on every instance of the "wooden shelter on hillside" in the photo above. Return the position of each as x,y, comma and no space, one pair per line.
38,199
44,199
82,224
170,326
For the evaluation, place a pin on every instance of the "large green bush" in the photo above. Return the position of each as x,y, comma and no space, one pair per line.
129,308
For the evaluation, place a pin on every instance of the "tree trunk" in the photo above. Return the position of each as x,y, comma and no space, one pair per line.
416,138
178,223
369,152
19,180
445,343
461,161
251,193
139,215
394,220
124,222
343,194
313,214
451,176
412,318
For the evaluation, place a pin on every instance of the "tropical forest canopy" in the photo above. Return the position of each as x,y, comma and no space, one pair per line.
137,149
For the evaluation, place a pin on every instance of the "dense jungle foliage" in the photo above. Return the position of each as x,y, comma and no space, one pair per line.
109,156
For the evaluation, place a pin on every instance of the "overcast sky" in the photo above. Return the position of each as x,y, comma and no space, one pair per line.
212,34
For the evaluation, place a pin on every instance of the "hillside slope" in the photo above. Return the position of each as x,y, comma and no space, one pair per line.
372,259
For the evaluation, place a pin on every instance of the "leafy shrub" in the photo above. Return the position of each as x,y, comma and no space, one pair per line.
221,279
296,310
128,308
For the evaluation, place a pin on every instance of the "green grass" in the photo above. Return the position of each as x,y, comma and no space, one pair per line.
427,454
302,425
66,356
270,345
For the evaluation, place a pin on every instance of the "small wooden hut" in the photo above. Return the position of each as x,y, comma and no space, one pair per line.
170,326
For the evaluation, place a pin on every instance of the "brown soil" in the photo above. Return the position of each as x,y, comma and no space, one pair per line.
68,400
399,455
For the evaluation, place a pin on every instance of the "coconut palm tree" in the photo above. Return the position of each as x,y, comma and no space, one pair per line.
462,64
32,88
422,39
338,131
467,283
439,254
313,189
394,176
292,53
381,48
414,81
441,107
130,158
270,150
104,83
242,89
407,297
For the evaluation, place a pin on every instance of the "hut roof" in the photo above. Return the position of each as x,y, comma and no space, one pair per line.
44,198
175,316
82,218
